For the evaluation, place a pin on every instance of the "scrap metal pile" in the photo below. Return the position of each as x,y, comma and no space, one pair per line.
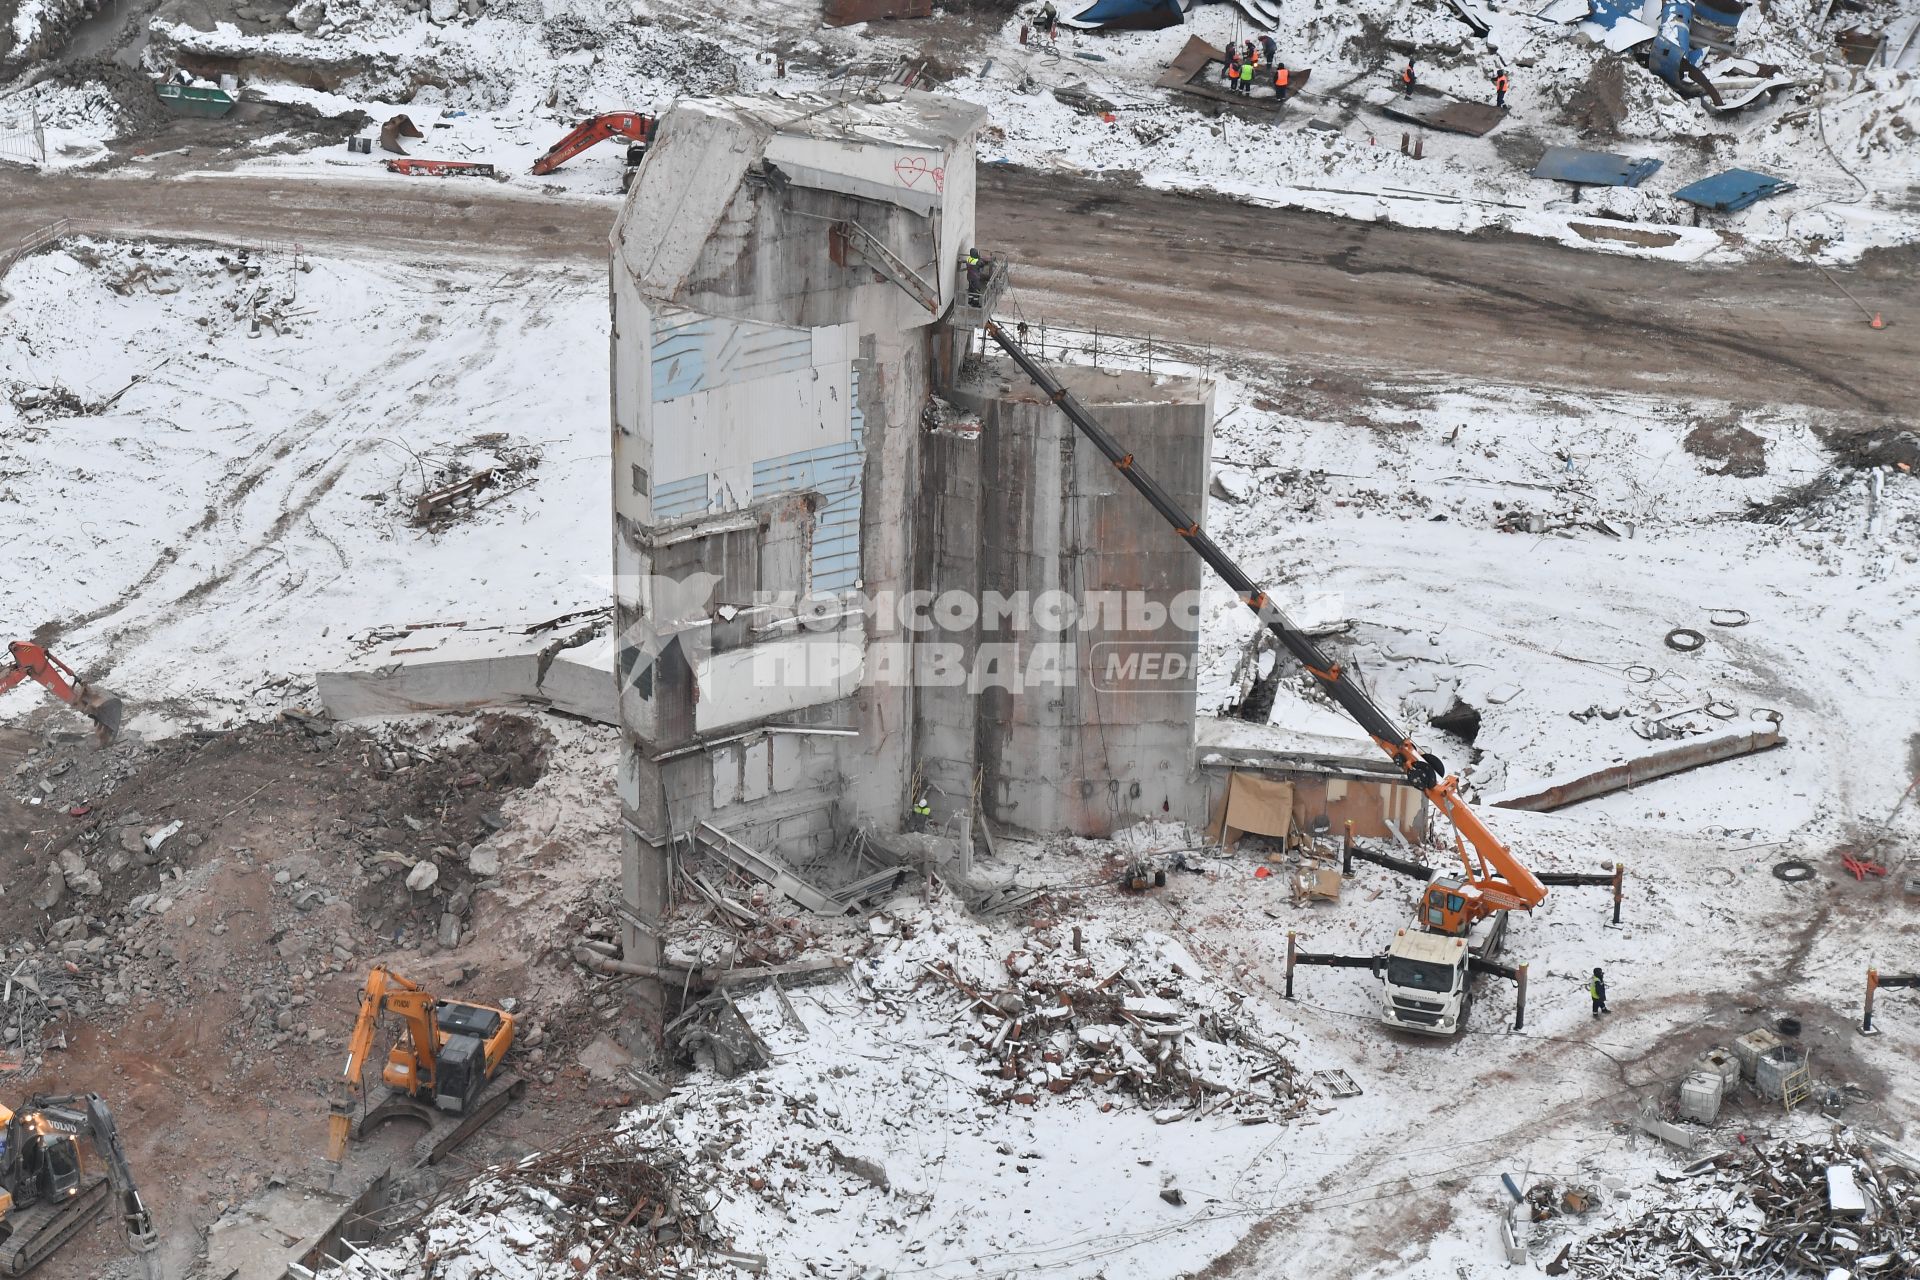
1806,1209
1075,1011
597,1204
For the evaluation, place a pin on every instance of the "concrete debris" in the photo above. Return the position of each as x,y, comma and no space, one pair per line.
1763,1209
1657,764
424,875
1108,1016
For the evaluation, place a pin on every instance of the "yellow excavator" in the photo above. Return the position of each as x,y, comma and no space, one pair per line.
47,1193
447,1055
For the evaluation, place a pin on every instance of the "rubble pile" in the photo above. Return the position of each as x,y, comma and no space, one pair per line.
604,1205
1833,1208
147,853
1075,1010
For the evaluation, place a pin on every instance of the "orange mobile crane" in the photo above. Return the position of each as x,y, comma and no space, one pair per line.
29,661
448,1055
1460,921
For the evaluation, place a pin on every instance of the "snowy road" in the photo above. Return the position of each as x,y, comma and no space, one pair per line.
1283,284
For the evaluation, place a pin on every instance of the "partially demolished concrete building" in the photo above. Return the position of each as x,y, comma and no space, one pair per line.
857,566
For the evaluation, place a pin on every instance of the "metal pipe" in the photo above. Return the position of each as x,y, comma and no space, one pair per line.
1290,951
1520,996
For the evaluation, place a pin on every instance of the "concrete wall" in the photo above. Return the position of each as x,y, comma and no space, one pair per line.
767,390
1108,740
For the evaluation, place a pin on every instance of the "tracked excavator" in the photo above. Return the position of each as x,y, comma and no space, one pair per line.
47,1192
1459,923
29,661
634,126
445,1063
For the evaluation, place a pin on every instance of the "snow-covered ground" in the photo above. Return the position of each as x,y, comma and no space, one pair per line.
501,82
214,514
212,510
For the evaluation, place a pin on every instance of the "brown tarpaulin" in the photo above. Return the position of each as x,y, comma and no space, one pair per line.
1258,805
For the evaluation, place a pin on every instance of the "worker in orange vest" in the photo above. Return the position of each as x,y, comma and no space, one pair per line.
1233,73
1500,88
1280,79
1406,79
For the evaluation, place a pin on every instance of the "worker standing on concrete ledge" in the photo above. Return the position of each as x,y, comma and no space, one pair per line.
1597,989
922,813
1406,79
1500,88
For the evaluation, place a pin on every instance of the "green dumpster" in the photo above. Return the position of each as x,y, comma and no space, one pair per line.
185,100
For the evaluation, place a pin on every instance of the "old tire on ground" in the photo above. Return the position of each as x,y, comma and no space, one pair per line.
1685,639
1793,871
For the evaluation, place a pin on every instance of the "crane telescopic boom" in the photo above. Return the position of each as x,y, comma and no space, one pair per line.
1501,880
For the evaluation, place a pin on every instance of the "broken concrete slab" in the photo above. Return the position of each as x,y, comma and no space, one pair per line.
1658,764
766,867
461,669
604,1060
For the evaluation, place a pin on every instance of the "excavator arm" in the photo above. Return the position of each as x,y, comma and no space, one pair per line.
31,661
95,1119
373,998
1503,881
385,991
592,132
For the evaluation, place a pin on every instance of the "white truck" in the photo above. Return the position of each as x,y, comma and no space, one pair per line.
1426,983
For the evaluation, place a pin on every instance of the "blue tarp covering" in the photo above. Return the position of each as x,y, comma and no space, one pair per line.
1596,168
1132,14
1734,189
1608,12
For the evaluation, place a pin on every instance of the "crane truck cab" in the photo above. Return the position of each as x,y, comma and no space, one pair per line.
1427,981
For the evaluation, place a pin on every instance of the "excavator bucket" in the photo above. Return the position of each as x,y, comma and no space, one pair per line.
103,708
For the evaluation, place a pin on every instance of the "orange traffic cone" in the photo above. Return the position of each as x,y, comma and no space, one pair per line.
1878,323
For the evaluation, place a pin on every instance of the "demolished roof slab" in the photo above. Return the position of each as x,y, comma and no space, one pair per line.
890,146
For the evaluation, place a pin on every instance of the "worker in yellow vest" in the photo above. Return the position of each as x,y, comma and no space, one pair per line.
1246,78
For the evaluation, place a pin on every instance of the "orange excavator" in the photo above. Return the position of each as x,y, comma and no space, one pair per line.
446,1057
31,661
635,127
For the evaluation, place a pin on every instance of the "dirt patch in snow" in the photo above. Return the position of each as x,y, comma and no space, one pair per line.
1739,452
203,909
1599,106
